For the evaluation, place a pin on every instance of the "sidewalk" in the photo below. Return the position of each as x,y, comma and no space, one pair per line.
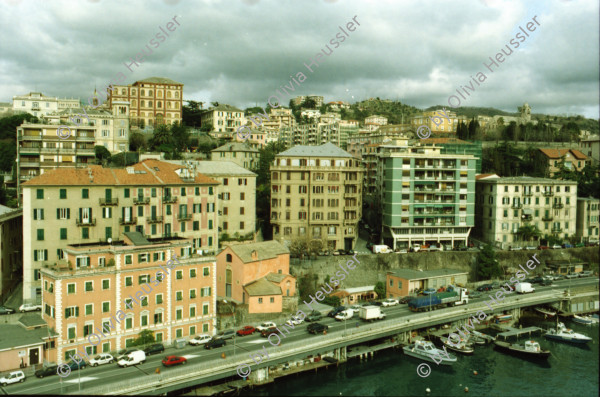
15,299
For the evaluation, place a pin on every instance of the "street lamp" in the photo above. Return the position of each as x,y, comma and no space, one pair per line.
234,333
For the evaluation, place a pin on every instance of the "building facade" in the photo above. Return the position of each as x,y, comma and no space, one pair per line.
316,194
87,205
242,154
39,105
425,197
573,160
101,296
591,147
588,219
223,118
155,100
11,248
438,121
406,282
504,205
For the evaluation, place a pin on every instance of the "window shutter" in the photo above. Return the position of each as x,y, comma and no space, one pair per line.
208,291
68,213
35,214
35,255
42,214
67,313
46,255
80,214
76,311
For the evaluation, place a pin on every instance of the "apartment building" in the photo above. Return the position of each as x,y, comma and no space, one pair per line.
39,105
436,121
573,159
11,247
299,100
426,197
257,275
155,100
102,295
240,153
236,203
223,118
588,219
457,146
505,204
316,195
376,120
88,205
318,134
591,147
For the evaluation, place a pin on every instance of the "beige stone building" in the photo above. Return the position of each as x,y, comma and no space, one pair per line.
89,205
11,248
376,120
503,205
588,219
236,204
573,159
101,296
155,100
436,121
316,195
223,118
242,154
38,104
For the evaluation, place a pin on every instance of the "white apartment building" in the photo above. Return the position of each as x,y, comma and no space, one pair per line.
38,104
376,119
588,218
223,118
591,148
504,204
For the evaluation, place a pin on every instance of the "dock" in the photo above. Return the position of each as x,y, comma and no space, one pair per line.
511,331
364,351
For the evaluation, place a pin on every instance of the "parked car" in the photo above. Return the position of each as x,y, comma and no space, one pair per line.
268,331
350,252
124,353
247,330
375,303
6,310
530,247
317,328
154,349
340,252
434,247
556,247
572,275
401,251
226,334
46,371
416,248
214,343
389,302
484,287
405,300
75,365
336,311
515,248
313,316
173,360
324,253
429,291
13,377
294,320
546,282
474,294
559,277
265,325
370,246
134,358
100,359
587,273
200,340
567,245
28,307
543,247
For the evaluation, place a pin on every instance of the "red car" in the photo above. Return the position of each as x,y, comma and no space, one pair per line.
543,247
173,360
247,330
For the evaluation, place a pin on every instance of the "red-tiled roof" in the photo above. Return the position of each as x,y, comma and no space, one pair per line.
558,153
481,176
444,140
155,172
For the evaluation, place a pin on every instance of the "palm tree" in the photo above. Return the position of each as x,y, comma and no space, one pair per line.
528,232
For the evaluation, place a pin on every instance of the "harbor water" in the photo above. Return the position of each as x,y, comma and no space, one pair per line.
570,371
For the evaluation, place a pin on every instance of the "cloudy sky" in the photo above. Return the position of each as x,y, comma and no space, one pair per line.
241,51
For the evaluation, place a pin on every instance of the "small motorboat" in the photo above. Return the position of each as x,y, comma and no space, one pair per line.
545,311
462,347
427,351
586,320
483,336
564,334
503,318
477,340
531,349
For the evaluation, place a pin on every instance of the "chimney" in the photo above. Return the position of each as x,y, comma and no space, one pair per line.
254,254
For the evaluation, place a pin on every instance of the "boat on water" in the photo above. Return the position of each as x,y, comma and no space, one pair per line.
586,320
427,351
531,349
564,334
487,338
477,340
462,347
545,311
503,318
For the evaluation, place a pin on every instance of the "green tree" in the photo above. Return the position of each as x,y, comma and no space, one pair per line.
144,338
487,264
380,289
191,113
161,136
137,142
8,125
206,128
8,154
529,232
333,301
181,137
102,154
307,286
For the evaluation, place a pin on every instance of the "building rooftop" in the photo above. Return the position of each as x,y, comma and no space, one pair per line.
13,336
148,172
326,150
410,274
558,153
235,147
262,287
6,210
355,290
158,80
276,277
224,107
264,250
525,179
137,238
216,168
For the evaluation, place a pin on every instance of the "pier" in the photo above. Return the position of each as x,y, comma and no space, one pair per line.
511,331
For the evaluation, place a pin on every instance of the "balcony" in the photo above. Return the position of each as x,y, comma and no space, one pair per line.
184,217
547,218
548,193
86,222
109,201
141,200
527,193
169,199
556,229
130,221
517,206
154,219
526,217
557,206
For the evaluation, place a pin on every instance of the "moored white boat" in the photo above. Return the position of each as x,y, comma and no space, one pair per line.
564,334
427,351
587,320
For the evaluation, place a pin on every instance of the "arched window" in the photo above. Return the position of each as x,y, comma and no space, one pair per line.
229,258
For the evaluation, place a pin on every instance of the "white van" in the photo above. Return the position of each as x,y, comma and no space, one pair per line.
345,315
133,358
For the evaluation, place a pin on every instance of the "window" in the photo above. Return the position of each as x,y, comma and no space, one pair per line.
196,225
71,288
210,224
105,307
128,281
89,286
159,299
193,293
179,274
40,234
85,193
144,320
242,196
63,233
205,309
229,258
39,194
85,232
144,278
178,314
179,295
260,300
192,273
89,309
192,314
63,193
206,271
38,214
129,323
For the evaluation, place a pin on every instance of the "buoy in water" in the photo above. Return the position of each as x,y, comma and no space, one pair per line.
475,373
466,389
428,390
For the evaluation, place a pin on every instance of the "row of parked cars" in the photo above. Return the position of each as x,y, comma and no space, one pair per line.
23,308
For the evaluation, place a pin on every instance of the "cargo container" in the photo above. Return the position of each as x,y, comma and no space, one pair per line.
454,296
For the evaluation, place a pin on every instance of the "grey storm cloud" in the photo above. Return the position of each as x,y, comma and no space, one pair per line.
241,51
